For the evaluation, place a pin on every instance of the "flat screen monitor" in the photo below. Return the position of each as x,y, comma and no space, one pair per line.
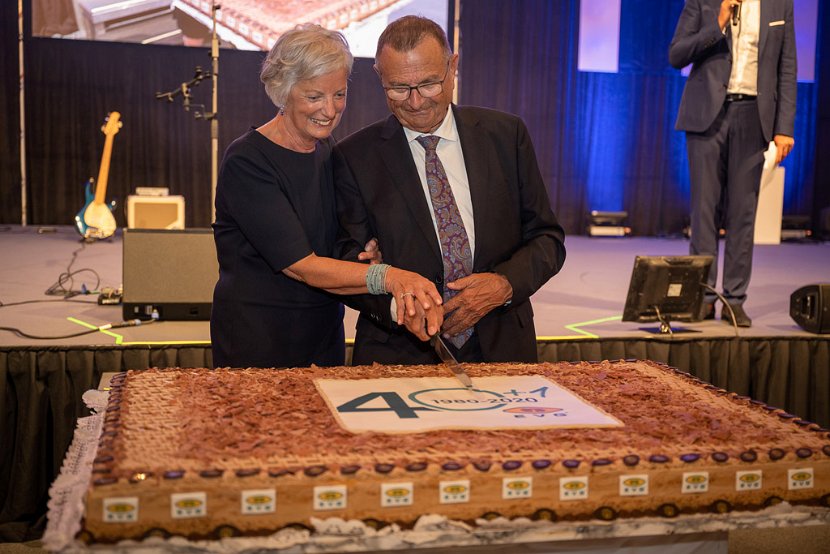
666,288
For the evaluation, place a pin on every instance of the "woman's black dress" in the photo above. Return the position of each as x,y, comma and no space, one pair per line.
274,206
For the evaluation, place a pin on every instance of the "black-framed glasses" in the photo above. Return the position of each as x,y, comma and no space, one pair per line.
400,93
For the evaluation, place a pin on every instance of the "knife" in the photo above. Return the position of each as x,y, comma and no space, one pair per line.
446,357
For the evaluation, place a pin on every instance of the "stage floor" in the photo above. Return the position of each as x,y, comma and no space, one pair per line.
585,300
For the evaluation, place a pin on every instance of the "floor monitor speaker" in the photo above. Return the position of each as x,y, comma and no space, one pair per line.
810,308
169,275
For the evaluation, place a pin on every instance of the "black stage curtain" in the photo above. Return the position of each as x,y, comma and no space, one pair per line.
9,115
71,86
530,70
41,389
160,144
40,402
822,169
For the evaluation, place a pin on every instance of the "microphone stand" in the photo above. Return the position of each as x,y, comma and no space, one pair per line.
213,115
21,76
214,119
184,89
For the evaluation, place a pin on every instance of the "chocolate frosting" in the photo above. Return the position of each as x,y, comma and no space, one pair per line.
198,419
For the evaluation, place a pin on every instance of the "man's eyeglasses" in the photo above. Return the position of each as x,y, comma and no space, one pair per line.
426,90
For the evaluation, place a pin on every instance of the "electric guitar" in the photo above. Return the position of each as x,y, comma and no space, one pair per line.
95,220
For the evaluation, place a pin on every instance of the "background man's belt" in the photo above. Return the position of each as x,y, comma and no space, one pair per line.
738,97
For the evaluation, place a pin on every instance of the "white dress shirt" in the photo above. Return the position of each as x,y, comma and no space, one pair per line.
745,38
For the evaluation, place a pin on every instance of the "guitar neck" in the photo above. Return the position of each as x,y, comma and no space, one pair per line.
104,171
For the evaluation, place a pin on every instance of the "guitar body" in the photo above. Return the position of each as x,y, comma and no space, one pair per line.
95,220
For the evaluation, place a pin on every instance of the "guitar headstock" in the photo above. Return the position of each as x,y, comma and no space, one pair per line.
113,124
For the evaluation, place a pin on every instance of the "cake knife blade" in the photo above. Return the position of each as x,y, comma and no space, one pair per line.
446,356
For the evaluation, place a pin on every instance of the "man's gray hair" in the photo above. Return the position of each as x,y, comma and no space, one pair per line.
404,34
305,52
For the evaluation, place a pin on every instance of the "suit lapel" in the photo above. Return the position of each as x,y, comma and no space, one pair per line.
476,159
766,17
729,35
403,176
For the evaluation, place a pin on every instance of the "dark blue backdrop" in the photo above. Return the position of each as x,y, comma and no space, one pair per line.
605,141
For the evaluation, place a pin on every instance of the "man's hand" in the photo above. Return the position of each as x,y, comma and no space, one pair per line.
783,147
478,294
725,13
371,252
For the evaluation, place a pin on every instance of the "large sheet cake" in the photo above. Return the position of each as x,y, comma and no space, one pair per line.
205,453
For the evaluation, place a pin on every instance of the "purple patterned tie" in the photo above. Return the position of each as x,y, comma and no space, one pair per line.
455,247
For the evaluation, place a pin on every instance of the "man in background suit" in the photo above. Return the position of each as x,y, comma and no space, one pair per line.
739,95
489,243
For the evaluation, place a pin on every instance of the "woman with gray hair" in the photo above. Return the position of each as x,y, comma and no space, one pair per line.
276,224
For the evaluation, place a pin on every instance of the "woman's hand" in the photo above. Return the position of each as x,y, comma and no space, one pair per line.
419,324
418,302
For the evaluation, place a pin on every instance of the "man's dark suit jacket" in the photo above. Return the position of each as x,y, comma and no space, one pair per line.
379,194
698,40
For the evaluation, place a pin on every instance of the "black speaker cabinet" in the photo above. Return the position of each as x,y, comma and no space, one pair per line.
169,274
810,308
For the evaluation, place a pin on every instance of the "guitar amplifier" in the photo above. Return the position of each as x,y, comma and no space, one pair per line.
155,212
169,275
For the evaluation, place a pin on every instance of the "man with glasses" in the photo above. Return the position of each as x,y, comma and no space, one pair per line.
453,193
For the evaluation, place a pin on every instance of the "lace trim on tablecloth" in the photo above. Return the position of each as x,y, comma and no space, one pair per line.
66,495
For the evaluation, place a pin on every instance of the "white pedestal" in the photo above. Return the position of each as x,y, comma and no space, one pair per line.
770,207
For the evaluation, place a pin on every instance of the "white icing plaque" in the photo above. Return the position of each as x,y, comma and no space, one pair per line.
748,480
573,488
634,485
454,492
259,501
800,478
396,494
413,405
516,487
330,497
188,504
695,481
122,509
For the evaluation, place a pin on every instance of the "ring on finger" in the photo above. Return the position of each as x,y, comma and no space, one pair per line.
404,295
